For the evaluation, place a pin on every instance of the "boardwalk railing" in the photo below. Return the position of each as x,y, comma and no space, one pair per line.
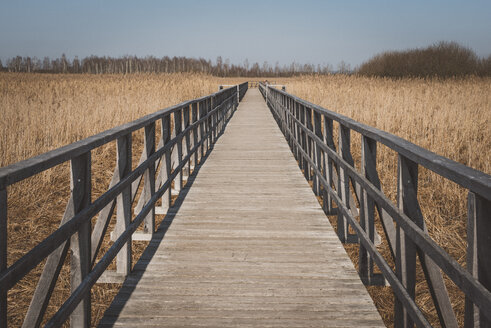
187,132
308,128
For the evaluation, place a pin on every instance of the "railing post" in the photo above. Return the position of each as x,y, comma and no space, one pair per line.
309,148
210,129
343,182
187,140
123,203
238,94
3,255
149,176
299,135
407,187
305,164
291,108
201,109
318,158
165,167
367,208
194,139
478,259
328,165
208,107
80,241
178,181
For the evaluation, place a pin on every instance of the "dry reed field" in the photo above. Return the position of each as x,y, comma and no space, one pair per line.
449,117
40,112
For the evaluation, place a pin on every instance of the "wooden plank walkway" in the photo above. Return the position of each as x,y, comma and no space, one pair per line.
249,246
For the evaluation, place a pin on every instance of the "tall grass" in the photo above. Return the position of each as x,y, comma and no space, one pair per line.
41,112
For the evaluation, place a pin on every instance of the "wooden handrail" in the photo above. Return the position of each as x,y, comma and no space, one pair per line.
196,126
461,174
301,122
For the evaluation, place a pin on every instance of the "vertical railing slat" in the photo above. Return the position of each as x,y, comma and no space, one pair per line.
328,171
367,208
201,111
209,126
343,181
80,263
178,181
309,146
3,255
194,140
149,176
318,155
305,164
478,258
406,251
187,140
166,167
123,203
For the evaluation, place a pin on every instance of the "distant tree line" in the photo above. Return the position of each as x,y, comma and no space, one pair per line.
150,64
444,59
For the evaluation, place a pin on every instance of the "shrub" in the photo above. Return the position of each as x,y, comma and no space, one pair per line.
444,59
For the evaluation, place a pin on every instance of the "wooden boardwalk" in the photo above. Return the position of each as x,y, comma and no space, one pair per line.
248,246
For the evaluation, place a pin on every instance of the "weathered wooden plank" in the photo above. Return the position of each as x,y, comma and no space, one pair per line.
367,208
478,246
123,203
318,155
406,250
3,254
165,168
81,260
194,136
187,140
149,177
344,147
483,227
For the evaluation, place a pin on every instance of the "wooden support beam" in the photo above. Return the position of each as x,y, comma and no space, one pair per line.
194,139
187,139
123,203
80,264
478,258
343,182
3,255
309,145
407,183
201,112
317,150
367,208
149,178
165,168
328,165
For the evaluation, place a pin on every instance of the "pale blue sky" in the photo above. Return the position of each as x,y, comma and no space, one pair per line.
304,31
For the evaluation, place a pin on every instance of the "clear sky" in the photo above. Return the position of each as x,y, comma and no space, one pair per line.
305,31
